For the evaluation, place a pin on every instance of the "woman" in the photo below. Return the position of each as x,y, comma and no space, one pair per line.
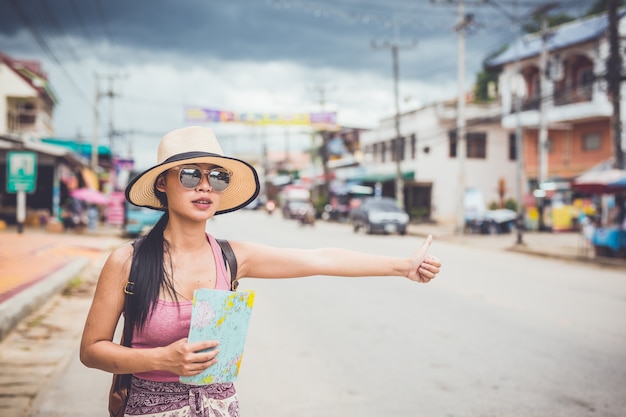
192,182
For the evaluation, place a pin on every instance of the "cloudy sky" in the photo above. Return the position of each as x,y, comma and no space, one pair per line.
246,56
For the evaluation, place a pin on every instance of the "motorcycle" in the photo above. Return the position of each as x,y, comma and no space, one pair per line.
270,206
305,216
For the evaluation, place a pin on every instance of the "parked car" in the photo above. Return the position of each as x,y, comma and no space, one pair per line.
492,222
380,214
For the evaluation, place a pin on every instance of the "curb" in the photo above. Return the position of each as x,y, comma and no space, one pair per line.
596,260
16,308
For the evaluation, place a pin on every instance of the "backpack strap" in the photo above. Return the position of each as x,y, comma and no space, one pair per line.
231,260
127,333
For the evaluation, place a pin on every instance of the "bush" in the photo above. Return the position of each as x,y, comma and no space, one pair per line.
511,204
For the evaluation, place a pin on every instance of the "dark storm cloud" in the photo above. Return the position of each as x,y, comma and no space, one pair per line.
314,34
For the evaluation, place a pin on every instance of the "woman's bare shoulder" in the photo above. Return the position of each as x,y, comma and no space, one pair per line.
119,259
122,253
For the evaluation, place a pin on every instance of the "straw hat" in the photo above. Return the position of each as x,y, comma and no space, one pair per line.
195,145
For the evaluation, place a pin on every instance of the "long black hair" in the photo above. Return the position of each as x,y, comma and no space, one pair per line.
148,271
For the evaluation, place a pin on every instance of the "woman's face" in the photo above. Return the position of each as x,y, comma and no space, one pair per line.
189,192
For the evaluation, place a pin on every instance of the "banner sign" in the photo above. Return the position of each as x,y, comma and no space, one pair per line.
204,115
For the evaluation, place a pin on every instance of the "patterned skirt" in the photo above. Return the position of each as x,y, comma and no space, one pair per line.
173,399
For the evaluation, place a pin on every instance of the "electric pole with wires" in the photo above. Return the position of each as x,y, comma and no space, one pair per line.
398,149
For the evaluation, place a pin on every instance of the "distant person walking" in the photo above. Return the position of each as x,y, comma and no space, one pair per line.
192,182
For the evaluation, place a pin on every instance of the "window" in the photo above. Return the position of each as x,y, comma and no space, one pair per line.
26,119
592,141
452,143
413,146
512,147
397,148
585,83
476,145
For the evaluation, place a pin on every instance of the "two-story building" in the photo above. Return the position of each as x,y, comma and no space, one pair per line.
574,109
26,99
26,120
435,178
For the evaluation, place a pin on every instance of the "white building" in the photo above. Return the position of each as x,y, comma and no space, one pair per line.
434,182
26,100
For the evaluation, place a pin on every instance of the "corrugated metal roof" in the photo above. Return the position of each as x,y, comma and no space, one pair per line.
565,35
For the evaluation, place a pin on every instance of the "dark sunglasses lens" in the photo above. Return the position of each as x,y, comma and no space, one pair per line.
190,177
219,180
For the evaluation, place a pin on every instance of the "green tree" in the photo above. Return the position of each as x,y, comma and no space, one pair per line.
534,25
486,77
600,6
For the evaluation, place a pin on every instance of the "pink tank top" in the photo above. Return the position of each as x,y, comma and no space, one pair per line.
170,320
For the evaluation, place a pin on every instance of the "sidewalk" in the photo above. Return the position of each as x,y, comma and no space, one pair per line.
36,264
559,245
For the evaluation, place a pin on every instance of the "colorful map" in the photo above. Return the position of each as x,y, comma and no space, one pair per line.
223,316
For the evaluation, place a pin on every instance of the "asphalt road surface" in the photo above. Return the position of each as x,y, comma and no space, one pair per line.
497,334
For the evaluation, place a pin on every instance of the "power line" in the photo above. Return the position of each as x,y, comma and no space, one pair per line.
46,48
81,21
52,18
100,13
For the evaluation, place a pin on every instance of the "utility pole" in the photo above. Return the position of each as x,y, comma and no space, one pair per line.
543,81
98,95
324,134
544,97
398,151
465,21
461,146
112,95
96,122
614,79
518,131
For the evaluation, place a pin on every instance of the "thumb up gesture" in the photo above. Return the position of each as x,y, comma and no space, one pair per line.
423,266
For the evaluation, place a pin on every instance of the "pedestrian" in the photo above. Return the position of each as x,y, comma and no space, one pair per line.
192,182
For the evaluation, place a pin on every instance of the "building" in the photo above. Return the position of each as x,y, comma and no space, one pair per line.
434,180
26,98
26,128
573,108
58,172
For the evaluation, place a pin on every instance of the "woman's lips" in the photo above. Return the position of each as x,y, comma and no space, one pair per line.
203,202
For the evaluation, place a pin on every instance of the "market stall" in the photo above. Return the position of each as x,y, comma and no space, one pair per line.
609,229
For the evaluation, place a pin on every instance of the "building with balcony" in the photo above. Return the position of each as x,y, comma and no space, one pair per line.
574,104
26,98
26,126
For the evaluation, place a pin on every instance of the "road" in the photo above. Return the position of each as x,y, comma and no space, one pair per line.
496,334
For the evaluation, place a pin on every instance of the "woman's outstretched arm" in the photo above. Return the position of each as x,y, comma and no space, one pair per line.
259,261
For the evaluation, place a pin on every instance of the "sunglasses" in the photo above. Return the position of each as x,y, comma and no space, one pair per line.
190,177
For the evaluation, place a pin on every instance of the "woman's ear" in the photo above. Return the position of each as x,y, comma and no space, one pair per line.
160,183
